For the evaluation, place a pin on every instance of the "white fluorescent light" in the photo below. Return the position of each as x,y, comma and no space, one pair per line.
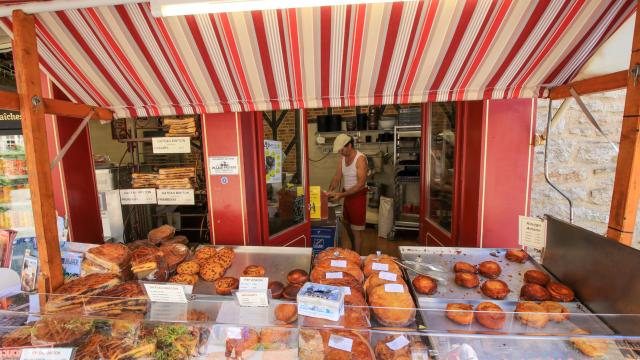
163,8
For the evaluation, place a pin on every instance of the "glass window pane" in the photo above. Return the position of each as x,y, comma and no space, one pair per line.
442,127
283,164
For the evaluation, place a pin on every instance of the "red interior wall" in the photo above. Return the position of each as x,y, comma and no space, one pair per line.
507,163
59,197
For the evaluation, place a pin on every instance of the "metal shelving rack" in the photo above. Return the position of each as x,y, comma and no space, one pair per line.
404,221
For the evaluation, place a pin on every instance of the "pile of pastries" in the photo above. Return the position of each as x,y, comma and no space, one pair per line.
210,264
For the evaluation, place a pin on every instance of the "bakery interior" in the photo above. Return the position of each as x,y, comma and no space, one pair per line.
227,248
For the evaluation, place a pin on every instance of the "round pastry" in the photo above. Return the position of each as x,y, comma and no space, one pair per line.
467,280
291,291
276,288
212,271
205,252
190,267
384,352
534,292
465,267
297,276
186,279
339,253
336,278
224,256
495,289
489,269
425,284
589,346
332,265
556,311
275,338
162,233
390,307
253,271
225,285
490,315
516,255
560,292
387,278
536,277
360,347
248,341
531,314
460,313
286,312
377,263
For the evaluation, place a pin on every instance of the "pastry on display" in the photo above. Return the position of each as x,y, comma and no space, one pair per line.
184,279
392,304
113,257
147,263
297,276
89,348
190,267
459,313
178,239
531,314
381,278
57,332
253,271
225,285
174,254
69,296
560,292
335,278
17,338
205,253
122,298
376,263
425,285
332,265
88,267
237,344
360,347
138,243
310,345
160,234
179,341
465,267
589,346
517,255
489,269
276,338
557,312
337,253
143,180
393,347
176,178
277,288
536,277
286,313
290,291
224,256
212,271
467,280
126,349
495,289
490,315
180,127
534,292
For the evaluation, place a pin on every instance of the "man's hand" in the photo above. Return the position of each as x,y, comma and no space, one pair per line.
335,196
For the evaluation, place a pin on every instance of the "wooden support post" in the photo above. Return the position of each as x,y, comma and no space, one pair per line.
626,188
25,59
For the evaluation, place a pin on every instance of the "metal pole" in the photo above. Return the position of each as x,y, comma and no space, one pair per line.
593,121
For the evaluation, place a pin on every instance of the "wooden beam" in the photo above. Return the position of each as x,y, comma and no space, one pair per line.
617,80
25,60
10,101
626,187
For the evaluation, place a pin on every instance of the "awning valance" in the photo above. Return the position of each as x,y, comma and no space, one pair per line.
122,58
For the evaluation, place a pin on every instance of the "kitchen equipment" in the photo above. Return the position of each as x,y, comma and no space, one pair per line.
323,123
361,121
351,123
387,122
335,122
373,123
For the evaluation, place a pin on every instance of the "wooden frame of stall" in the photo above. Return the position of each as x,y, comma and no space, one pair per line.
28,100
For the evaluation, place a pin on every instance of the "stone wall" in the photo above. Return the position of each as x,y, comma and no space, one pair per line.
581,162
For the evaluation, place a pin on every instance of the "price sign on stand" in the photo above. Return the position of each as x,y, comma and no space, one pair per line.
171,145
253,291
46,354
532,232
168,293
175,197
138,196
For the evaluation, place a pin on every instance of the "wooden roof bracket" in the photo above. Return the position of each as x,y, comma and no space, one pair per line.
72,139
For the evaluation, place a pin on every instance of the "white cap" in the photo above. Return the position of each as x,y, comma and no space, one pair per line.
341,141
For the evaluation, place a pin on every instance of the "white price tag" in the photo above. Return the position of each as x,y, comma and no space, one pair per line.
252,298
398,343
171,145
46,354
137,196
387,276
172,293
234,333
397,288
253,283
339,263
340,343
532,232
347,290
380,266
176,197
333,275
223,165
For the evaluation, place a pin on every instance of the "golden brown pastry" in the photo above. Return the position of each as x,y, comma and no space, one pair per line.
534,292
205,252
224,257
385,352
467,280
489,269
332,265
339,253
560,292
381,278
190,267
465,267
297,276
517,255
392,307
275,338
286,313
277,288
495,289
162,233
589,346
212,271
556,311
536,277
460,313
185,279
425,284
291,291
490,315
248,340
253,271
531,314
360,347
225,285
377,263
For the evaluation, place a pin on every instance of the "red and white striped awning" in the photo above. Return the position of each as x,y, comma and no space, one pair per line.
122,58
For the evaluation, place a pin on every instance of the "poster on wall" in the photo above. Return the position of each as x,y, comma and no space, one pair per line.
273,161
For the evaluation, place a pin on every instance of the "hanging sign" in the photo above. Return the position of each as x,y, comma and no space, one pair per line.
223,165
273,161
138,196
532,232
171,145
175,197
